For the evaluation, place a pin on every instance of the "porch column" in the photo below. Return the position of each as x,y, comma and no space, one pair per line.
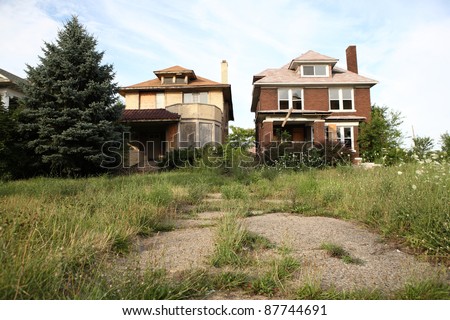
266,133
319,131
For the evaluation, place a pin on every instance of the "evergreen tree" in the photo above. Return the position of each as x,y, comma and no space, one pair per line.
70,107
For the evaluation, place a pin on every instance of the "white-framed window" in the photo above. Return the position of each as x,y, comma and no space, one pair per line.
160,100
290,98
315,70
195,97
341,99
342,133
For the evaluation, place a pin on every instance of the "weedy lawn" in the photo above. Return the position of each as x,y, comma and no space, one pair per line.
61,238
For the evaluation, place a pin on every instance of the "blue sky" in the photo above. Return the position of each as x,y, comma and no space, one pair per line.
402,44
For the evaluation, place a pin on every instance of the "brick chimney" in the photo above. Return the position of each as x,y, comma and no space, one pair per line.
352,61
224,68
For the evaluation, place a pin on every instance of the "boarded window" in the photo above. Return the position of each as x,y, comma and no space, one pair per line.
205,133
195,97
217,134
187,134
160,101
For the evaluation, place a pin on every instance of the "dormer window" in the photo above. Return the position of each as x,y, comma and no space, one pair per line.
176,80
181,80
318,70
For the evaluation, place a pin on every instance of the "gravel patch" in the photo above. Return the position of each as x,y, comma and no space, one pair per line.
178,250
384,267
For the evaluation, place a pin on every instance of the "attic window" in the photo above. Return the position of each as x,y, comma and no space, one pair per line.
180,80
319,70
167,80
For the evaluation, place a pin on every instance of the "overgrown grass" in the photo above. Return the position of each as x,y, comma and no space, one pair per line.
336,251
417,290
273,280
234,243
59,236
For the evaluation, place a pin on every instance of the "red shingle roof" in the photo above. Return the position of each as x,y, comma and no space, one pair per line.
149,115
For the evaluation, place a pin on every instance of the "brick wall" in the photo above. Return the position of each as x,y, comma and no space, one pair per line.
316,99
266,133
268,99
171,136
362,102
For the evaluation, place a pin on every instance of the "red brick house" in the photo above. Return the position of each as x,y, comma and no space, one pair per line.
312,100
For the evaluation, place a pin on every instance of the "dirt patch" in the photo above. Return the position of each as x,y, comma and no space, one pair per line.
383,266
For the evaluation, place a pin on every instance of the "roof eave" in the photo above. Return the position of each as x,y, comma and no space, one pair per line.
371,84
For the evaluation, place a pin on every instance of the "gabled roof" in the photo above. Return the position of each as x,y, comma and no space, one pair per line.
148,115
312,57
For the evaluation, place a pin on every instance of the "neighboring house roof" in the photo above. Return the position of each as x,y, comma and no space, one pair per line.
8,79
149,115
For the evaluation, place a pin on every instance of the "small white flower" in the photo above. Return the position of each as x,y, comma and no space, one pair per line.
434,156
414,187
428,160
419,172
399,173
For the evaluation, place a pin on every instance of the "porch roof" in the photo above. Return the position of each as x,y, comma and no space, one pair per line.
147,115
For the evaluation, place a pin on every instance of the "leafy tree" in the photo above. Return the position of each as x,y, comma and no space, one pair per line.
381,137
70,107
422,146
445,144
241,138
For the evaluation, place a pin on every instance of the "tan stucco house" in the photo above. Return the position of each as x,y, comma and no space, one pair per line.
177,109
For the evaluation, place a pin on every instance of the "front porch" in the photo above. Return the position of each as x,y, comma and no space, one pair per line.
151,134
